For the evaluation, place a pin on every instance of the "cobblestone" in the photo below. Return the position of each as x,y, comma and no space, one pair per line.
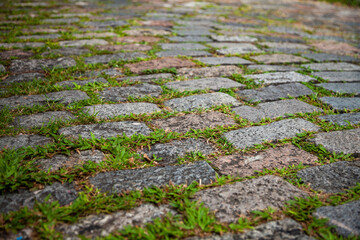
204,83
279,77
339,76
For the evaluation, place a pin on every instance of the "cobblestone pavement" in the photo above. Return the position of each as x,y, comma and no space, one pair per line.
151,119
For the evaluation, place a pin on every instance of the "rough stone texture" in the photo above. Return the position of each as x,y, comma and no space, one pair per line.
279,77
285,46
279,58
204,83
182,46
247,137
123,180
343,119
207,72
132,39
333,177
147,78
18,53
274,109
346,141
223,61
190,39
167,62
72,83
2,68
342,87
77,159
277,68
112,110
342,103
336,47
118,94
146,32
187,122
232,200
237,38
114,57
189,53
64,97
80,43
170,152
24,77
22,45
247,164
41,119
201,101
44,36
31,65
193,32
345,218
23,141
340,66
235,48
112,72
322,57
339,76
61,20
128,47
106,130
67,51
105,23
63,193
103,224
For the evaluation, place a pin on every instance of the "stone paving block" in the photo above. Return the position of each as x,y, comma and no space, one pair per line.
22,45
279,77
224,61
187,122
123,180
285,45
247,164
106,130
277,68
340,66
146,32
147,78
134,39
335,47
189,53
170,152
112,72
61,20
127,47
232,200
64,97
342,87
80,43
201,101
275,109
342,103
234,38
333,177
204,83
105,23
346,141
343,119
323,57
279,58
288,128
193,32
34,65
103,224
44,36
190,39
235,48
18,53
345,217
182,46
24,77
104,111
207,72
2,68
41,119
166,62
118,94
63,193
339,76
72,83
23,141
66,51
114,57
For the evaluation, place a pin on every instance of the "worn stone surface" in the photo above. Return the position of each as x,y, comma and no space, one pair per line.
146,32
279,58
276,68
182,46
170,152
23,141
32,65
72,83
133,39
342,103
224,61
41,119
114,57
18,53
119,181
274,109
67,51
127,47
346,141
117,94
2,68
22,45
280,77
105,23
189,53
323,57
345,217
61,20
247,137
334,47
80,43
247,164
112,72
24,77
147,78
187,122
77,159
333,177
285,46
342,87
112,110
235,48
235,38
340,66
232,200
64,97
339,76
63,193
166,62
44,36
103,224
201,101
208,72
106,130
204,83
343,119
190,39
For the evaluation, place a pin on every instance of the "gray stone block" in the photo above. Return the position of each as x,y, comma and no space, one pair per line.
112,72
72,83
205,72
342,87
275,68
323,57
148,78
111,23
35,65
341,66
81,43
114,57
204,83
189,53
224,61
279,58
182,46
24,77
247,137
123,180
41,119
340,104
343,119
23,141
61,20
234,38
44,36
279,77
22,45
235,48
339,76
190,39
67,51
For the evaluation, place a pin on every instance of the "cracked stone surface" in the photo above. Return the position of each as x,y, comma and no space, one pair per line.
207,72
342,119
342,87
204,83
23,141
41,119
279,77
342,103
